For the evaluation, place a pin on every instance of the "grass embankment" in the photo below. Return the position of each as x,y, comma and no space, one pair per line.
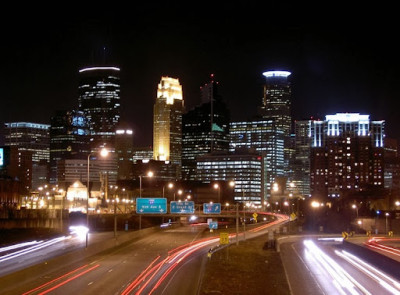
248,268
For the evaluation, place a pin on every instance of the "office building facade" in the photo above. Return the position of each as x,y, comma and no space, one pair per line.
244,167
301,163
204,129
99,100
69,139
347,155
276,105
124,152
167,123
263,136
31,139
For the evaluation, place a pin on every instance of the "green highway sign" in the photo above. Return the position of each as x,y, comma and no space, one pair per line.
151,205
211,208
182,207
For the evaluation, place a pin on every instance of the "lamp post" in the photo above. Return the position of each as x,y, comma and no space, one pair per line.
217,186
115,201
386,222
61,191
180,192
354,206
103,153
149,174
170,185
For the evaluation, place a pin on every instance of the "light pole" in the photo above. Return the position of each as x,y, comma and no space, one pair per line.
354,206
217,186
170,185
386,223
103,153
115,201
180,192
61,191
149,174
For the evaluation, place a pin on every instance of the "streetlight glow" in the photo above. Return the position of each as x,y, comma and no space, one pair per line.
149,174
103,153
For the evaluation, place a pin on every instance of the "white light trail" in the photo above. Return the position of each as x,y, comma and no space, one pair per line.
32,249
20,245
383,279
341,279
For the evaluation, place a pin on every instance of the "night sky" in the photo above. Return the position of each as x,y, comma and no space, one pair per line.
342,58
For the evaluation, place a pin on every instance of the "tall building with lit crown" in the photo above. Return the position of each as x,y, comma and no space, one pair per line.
167,123
99,99
276,105
347,155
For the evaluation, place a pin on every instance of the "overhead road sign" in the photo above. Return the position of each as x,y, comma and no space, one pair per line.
213,225
151,205
185,207
211,208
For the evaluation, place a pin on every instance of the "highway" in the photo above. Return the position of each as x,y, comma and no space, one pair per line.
172,261
164,262
316,265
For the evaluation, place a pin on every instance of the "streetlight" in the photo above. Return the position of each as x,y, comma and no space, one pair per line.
61,191
386,224
103,153
149,174
115,200
354,206
170,185
217,186
180,192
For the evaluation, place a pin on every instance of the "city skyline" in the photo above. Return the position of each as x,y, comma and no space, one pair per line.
336,66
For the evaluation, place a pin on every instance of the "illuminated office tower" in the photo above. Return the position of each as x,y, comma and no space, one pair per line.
347,155
68,139
167,123
31,138
263,136
301,163
124,151
276,105
99,100
204,129
244,167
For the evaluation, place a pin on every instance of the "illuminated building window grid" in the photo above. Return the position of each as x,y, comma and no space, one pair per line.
247,175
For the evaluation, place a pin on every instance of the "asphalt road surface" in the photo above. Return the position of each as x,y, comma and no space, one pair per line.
324,266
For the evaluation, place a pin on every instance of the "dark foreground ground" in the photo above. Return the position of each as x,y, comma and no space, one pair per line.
249,268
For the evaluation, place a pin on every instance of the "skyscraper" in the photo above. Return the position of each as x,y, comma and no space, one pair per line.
167,123
69,136
244,167
99,100
301,163
124,151
276,105
31,138
263,136
204,128
347,155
